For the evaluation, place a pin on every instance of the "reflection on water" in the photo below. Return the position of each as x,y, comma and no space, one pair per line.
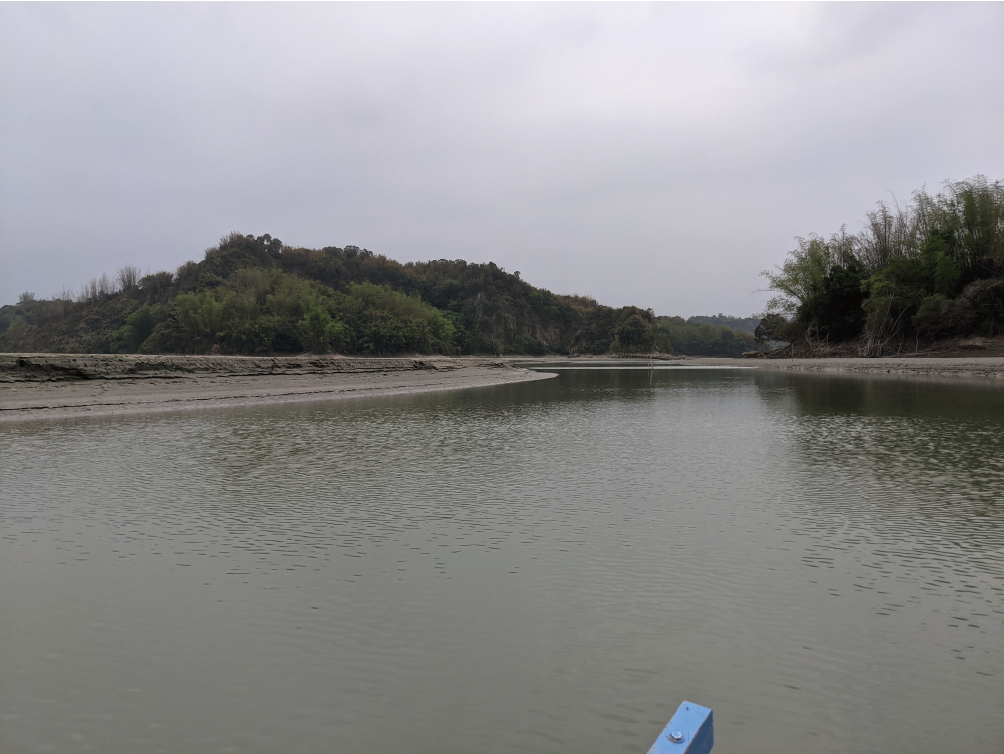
539,567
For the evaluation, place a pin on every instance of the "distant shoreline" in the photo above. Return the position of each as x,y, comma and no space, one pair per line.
984,368
59,386
961,367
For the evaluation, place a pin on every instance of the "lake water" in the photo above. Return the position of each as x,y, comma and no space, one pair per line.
542,567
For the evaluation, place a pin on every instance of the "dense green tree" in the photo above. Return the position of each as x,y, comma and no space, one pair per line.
321,334
633,334
773,328
927,270
138,327
835,308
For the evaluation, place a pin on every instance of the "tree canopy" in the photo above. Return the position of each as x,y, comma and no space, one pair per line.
253,295
931,269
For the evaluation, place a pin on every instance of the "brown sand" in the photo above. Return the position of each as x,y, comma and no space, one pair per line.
57,386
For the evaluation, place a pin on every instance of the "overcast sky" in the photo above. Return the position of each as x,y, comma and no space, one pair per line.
651,154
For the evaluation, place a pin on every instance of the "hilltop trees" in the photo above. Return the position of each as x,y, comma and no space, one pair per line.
255,295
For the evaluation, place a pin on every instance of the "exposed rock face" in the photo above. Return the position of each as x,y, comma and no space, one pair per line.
45,367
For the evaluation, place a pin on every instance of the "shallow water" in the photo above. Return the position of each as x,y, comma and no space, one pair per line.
543,567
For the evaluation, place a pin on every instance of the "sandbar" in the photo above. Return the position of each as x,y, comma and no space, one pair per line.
60,386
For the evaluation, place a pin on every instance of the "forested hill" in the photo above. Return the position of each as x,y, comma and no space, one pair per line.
255,295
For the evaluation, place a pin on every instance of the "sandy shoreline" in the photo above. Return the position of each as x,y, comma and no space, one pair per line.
58,386
966,367
64,386
983,368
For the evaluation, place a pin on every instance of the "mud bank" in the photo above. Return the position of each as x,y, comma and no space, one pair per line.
57,386
35,367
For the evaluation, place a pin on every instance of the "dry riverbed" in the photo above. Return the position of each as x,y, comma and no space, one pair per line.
56,386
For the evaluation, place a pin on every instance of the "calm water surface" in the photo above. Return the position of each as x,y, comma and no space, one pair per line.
541,567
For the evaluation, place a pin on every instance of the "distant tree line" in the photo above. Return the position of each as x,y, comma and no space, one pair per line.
737,324
697,336
930,270
252,295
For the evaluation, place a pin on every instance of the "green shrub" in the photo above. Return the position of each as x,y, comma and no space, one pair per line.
939,316
319,333
987,300
200,320
138,327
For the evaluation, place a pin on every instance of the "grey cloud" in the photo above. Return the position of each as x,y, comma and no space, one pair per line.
651,154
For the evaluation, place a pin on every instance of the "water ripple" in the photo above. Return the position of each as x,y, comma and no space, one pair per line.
548,566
